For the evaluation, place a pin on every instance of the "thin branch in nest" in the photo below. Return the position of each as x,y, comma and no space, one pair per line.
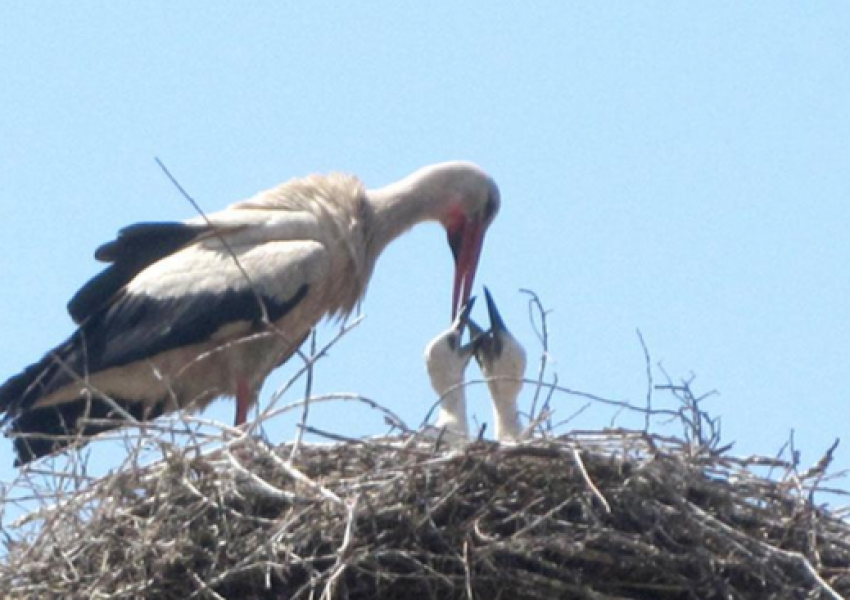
297,475
649,380
257,296
574,415
388,415
438,524
270,410
541,329
343,553
467,571
701,430
592,486
308,393
621,404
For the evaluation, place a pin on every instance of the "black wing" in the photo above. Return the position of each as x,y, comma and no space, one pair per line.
43,431
136,248
137,327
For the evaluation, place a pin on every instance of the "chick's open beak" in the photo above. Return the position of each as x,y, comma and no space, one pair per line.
458,325
497,325
462,319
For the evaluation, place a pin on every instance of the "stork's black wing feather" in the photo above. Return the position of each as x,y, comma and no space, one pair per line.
131,329
136,247
43,431
138,327
178,304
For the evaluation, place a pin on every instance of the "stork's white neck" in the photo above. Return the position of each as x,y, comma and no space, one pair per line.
452,413
506,418
426,195
398,207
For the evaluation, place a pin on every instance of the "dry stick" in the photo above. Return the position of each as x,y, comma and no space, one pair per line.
791,556
587,480
220,237
308,361
268,489
820,468
546,408
260,302
380,443
467,571
287,467
389,415
338,437
84,495
204,587
344,549
575,414
270,410
778,458
308,392
543,336
690,413
622,404
649,382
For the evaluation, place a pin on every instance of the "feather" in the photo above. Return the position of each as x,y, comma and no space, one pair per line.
136,248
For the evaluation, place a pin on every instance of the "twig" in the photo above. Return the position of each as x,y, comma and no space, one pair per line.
649,381
215,229
543,336
583,470
308,393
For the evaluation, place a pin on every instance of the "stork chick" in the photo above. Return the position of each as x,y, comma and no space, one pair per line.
446,359
502,360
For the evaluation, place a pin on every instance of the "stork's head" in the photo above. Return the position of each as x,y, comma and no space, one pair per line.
446,357
460,195
471,203
500,356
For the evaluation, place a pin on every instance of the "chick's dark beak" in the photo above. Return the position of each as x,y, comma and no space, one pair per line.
462,319
496,322
497,326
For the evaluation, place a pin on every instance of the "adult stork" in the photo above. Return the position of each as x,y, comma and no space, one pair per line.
502,360
446,359
189,312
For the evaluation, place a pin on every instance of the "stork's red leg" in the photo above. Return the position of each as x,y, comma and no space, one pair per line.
243,402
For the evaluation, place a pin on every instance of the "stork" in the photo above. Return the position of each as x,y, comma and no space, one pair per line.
189,312
446,359
502,360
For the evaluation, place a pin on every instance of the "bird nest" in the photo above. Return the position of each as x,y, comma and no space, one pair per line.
590,515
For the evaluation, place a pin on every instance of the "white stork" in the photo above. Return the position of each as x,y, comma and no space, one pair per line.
446,359
502,360
189,312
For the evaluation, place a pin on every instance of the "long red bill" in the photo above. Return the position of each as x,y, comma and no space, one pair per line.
467,263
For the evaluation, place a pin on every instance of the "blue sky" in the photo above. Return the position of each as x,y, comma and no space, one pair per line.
677,167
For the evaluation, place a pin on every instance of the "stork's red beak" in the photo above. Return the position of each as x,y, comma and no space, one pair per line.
466,243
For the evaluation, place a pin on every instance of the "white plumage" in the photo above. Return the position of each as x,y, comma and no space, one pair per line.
502,360
446,359
188,312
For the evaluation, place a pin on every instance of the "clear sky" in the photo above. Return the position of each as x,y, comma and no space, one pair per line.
677,167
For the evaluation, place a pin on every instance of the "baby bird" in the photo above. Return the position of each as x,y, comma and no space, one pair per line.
446,359
502,360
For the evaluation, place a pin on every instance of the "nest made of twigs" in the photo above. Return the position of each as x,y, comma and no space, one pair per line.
595,515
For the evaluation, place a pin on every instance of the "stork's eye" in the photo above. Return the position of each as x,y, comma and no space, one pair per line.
491,206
